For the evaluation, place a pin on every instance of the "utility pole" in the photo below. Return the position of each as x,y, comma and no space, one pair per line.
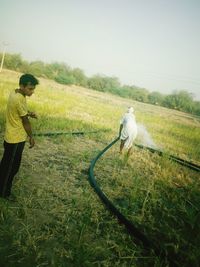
3,56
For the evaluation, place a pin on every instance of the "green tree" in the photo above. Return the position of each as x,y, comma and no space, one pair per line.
79,76
37,68
136,93
25,67
181,100
57,68
196,108
13,61
155,98
104,83
65,78
96,83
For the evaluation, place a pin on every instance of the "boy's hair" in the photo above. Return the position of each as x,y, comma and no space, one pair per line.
26,79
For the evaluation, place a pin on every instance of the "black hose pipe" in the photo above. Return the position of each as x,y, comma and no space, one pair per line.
122,219
68,133
180,161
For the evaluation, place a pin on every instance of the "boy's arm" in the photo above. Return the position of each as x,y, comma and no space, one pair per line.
27,128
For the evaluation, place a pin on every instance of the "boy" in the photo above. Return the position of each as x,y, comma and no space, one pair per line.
18,127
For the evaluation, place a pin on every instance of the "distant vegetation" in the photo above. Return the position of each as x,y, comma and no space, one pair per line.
62,73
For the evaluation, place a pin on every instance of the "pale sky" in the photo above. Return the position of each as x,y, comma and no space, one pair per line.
154,44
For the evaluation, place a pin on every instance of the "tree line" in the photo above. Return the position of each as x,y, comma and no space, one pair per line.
62,73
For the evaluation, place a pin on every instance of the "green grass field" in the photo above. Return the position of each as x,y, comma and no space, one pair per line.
58,220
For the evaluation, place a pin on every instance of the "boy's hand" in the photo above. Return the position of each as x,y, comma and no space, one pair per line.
32,115
31,142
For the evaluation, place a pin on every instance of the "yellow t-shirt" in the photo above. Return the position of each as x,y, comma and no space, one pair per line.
16,108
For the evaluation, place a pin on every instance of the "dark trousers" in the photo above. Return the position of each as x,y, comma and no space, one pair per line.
9,166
